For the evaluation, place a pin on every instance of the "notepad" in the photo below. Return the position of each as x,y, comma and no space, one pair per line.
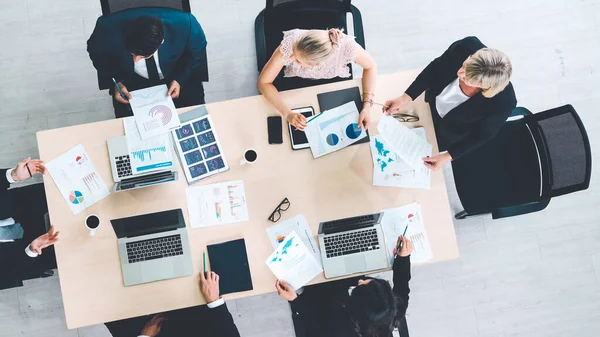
230,261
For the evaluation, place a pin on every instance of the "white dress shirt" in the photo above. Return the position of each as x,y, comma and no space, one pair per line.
140,67
451,97
11,221
211,305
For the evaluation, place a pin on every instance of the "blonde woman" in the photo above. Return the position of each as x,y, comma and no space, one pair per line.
469,91
317,54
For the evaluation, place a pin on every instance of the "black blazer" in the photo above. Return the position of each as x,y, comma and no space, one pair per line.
6,199
181,52
473,122
320,311
221,323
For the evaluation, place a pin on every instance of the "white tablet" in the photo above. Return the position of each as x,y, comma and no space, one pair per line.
297,137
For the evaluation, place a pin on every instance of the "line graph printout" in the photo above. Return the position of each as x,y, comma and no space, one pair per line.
217,204
154,111
334,129
147,155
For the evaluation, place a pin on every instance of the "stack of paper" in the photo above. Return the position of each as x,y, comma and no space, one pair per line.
154,111
293,263
77,179
393,223
217,204
147,155
334,129
405,143
277,234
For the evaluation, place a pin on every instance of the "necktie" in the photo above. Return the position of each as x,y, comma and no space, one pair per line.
11,232
152,69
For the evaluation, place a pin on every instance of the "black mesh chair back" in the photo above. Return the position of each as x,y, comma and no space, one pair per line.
113,6
567,148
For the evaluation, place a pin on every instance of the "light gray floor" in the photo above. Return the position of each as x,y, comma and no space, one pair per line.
536,275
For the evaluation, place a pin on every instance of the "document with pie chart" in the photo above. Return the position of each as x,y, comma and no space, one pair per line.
334,130
154,111
77,179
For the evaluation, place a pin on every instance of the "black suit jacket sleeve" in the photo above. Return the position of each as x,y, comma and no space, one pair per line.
105,62
303,315
221,322
196,44
4,184
401,270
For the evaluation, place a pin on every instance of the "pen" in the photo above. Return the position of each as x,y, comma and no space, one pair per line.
400,243
204,258
119,89
28,170
312,119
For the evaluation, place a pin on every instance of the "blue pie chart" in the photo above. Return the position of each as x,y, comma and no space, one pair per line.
352,131
332,139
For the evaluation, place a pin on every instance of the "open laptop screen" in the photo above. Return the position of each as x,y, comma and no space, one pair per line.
148,223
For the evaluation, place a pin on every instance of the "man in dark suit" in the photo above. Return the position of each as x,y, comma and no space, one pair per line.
22,227
144,47
211,320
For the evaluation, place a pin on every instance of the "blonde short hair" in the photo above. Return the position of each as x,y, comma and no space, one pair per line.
317,45
489,69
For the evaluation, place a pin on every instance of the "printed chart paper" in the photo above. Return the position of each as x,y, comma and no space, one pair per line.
293,263
154,111
405,143
390,170
77,179
277,234
147,155
217,204
393,223
334,129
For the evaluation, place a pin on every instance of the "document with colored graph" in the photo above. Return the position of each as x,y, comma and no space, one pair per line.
77,179
334,130
154,111
278,232
153,154
217,204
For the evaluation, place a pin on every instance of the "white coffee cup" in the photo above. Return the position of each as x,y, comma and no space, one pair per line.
250,157
92,222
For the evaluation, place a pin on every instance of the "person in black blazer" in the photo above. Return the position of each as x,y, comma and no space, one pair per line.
144,47
211,320
355,307
469,91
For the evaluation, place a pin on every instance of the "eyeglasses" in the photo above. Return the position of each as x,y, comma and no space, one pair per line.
401,116
283,206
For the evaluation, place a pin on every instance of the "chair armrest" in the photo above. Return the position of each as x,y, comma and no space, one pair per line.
359,32
260,40
530,207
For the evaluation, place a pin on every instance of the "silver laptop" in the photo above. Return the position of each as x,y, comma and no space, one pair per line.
153,247
125,178
352,245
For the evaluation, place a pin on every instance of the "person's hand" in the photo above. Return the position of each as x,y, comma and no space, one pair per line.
285,291
174,89
396,104
364,119
406,249
297,120
44,241
437,161
118,97
209,286
20,172
152,328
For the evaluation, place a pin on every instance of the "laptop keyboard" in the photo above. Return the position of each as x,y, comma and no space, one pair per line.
351,243
123,166
145,250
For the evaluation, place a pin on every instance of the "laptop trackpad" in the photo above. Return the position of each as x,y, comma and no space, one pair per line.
355,264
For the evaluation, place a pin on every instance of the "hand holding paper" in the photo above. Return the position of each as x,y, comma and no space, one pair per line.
409,146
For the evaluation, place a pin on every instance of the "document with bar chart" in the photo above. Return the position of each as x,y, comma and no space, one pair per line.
77,179
393,223
217,204
148,155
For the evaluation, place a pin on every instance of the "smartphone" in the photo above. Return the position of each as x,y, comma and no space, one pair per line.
297,137
275,129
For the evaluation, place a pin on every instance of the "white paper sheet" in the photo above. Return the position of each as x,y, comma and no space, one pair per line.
277,234
293,263
217,204
77,179
405,143
147,155
154,111
390,170
334,129
394,222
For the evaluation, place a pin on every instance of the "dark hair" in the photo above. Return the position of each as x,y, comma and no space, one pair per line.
373,309
144,36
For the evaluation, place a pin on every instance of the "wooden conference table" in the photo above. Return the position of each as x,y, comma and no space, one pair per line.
334,186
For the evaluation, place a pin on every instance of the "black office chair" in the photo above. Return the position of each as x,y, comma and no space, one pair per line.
531,160
114,6
281,15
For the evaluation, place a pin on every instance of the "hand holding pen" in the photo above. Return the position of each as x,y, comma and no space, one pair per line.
404,247
124,96
27,168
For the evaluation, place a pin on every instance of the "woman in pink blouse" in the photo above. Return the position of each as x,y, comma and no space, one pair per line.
317,54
